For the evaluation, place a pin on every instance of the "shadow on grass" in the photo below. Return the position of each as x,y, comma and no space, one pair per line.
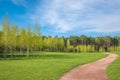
40,56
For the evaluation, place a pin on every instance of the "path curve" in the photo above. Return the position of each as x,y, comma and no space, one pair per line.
91,71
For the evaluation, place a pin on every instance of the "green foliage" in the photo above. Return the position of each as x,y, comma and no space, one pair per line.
22,39
5,36
14,39
68,43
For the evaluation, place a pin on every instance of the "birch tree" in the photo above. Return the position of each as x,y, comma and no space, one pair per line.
13,38
28,40
5,35
22,39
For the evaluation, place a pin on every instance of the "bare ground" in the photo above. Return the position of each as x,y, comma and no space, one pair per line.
92,71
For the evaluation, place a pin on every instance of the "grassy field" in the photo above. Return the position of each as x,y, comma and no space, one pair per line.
113,70
48,66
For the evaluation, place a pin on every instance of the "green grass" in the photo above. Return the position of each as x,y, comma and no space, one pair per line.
48,66
113,70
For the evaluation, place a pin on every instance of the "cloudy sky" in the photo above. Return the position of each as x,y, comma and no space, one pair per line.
65,17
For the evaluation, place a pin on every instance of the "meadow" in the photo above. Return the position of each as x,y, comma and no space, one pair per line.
46,66
44,39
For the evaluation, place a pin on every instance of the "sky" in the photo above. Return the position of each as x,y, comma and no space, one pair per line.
65,17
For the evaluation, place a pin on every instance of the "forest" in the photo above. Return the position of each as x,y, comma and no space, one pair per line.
13,39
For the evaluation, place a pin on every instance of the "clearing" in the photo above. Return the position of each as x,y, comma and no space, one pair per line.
46,66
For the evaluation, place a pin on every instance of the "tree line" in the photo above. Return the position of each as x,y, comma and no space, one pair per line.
29,40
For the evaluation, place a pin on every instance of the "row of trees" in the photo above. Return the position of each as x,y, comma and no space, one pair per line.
90,44
13,40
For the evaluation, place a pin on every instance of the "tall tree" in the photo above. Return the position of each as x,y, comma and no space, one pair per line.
22,39
106,43
13,38
68,44
1,44
61,44
28,40
97,43
115,42
83,40
5,36
37,35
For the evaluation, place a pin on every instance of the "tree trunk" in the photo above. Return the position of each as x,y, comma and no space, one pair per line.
11,53
28,52
5,51
21,50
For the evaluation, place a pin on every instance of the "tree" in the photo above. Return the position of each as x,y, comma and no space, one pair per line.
61,44
22,39
97,44
1,44
37,35
78,48
83,39
68,44
91,43
106,43
46,43
13,38
5,36
28,38
40,43
55,43
115,42
49,43
74,40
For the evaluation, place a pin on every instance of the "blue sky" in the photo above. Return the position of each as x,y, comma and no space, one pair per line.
65,17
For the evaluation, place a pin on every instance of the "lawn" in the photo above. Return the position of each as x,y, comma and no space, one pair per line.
48,66
113,70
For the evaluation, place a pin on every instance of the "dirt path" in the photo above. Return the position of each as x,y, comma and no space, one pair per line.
92,71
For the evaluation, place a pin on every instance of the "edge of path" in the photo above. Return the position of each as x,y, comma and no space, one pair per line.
75,73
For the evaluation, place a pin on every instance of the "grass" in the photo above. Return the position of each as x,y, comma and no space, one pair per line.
48,66
113,70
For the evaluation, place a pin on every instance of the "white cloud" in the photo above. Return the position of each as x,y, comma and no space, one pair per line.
79,15
20,2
